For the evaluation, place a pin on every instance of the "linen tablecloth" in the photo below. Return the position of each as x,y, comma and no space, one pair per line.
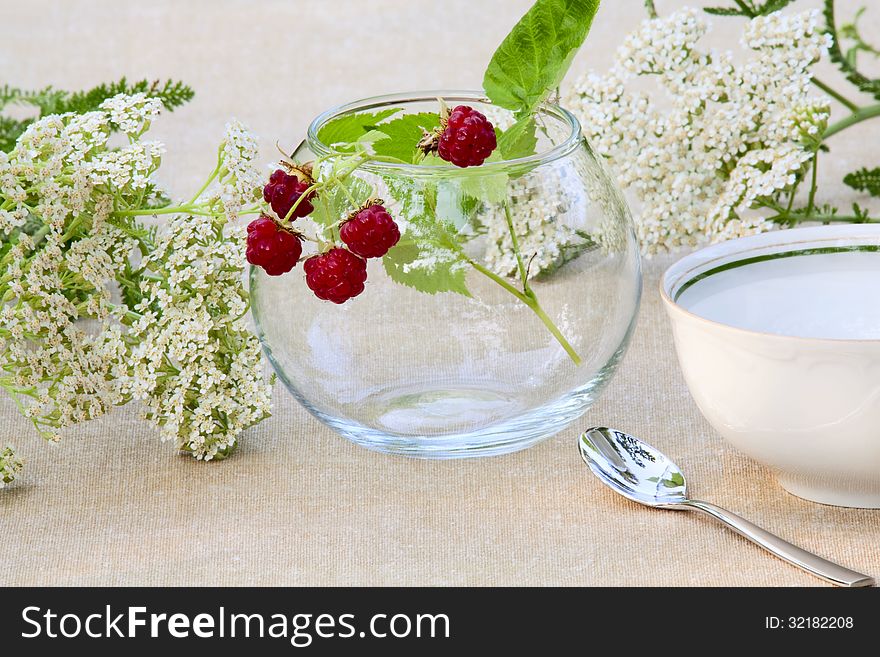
298,505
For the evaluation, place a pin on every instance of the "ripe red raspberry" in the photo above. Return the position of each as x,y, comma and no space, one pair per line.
370,232
468,139
274,249
283,190
336,276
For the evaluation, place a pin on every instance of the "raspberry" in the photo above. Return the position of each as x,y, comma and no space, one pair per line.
274,249
468,139
370,232
336,276
283,190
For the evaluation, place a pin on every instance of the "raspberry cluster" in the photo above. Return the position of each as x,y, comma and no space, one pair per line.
465,138
337,274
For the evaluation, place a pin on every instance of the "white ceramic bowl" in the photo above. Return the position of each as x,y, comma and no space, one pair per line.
778,337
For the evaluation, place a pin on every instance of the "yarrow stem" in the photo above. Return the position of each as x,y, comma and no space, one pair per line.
861,114
840,98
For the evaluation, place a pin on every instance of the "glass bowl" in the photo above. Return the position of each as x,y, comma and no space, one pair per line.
518,337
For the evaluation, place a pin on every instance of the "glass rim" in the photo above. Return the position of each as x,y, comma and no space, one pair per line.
555,152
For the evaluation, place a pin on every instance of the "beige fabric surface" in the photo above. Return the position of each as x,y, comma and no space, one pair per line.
298,505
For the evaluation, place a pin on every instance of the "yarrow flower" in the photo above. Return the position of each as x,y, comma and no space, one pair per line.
242,180
734,136
10,466
96,308
198,369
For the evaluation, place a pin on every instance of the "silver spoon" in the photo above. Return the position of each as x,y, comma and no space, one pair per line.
643,474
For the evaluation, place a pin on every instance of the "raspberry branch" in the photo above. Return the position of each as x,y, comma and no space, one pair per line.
353,225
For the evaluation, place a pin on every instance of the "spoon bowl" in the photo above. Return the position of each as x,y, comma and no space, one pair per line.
633,468
645,475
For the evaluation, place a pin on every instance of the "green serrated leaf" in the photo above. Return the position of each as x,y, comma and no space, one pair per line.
403,135
862,82
455,206
724,11
774,5
446,276
535,56
519,140
749,9
864,180
352,127
428,256
173,94
491,188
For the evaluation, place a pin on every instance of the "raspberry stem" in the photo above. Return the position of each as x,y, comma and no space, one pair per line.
530,300
302,197
523,271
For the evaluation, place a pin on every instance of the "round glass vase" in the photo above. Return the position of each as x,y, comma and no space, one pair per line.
496,320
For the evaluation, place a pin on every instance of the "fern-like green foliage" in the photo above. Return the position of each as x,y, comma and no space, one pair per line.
852,32
46,101
862,82
864,180
749,8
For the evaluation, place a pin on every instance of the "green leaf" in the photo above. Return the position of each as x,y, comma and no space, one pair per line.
403,135
42,98
54,101
864,180
519,140
491,188
455,206
446,276
352,127
853,75
172,94
724,11
535,56
428,256
749,9
10,130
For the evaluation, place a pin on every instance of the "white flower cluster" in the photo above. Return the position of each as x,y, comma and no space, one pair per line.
78,268
10,466
727,137
198,369
59,369
242,180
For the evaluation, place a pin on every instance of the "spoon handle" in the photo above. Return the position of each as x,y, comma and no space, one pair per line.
810,562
